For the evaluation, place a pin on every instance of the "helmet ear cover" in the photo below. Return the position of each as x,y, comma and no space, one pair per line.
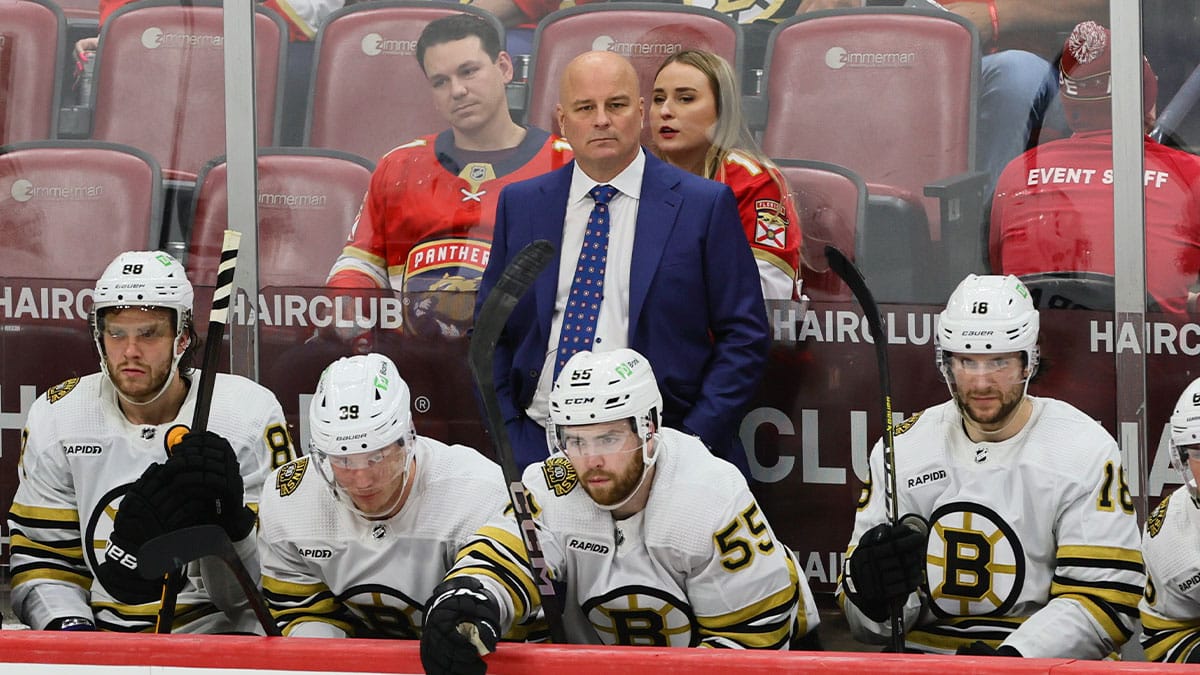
1185,432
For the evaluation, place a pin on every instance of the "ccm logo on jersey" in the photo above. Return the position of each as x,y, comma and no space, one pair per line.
83,449
588,546
927,477
315,552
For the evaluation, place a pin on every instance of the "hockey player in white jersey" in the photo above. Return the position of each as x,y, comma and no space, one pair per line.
1032,546
1170,605
95,478
354,537
655,540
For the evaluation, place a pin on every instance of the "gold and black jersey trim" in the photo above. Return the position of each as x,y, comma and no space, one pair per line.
1169,641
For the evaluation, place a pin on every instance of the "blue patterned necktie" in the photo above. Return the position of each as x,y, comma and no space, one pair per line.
587,288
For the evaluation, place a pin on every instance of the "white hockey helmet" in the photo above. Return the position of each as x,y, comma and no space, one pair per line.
596,387
1185,431
143,279
989,314
362,404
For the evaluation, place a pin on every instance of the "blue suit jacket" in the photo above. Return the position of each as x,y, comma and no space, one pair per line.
695,303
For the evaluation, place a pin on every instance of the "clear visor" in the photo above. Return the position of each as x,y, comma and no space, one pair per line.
1192,452
589,441
360,477
1003,370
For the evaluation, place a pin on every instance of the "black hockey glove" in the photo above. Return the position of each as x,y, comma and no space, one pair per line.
149,508
445,650
887,565
981,648
204,467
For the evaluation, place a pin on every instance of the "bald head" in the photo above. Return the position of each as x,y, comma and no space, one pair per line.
600,112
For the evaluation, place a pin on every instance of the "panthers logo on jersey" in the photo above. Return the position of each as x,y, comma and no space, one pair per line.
560,475
290,475
640,615
975,563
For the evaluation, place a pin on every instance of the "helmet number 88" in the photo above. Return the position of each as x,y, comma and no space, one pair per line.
131,269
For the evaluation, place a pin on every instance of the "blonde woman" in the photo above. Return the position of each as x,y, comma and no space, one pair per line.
697,125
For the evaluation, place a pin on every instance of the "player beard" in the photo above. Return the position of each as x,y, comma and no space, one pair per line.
619,486
1010,400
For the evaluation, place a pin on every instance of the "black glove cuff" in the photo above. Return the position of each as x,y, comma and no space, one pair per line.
239,525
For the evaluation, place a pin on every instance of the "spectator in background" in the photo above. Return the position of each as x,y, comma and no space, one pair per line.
96,482
1017,91
1170,608
425,226
678,281
1020,536
696,124
1053,208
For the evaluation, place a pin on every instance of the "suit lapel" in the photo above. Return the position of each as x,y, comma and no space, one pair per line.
547,223
657,214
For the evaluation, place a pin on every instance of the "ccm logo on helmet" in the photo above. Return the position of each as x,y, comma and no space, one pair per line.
315,552
83,450
588,546
579,401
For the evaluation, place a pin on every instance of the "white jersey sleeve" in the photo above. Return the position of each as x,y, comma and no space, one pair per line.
80,456
328,571
699,565
1170,606
1033,541
50,578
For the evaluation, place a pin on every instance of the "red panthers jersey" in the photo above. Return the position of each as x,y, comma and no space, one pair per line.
770,220
425,225
1053,212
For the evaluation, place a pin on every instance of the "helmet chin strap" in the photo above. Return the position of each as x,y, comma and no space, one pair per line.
162,390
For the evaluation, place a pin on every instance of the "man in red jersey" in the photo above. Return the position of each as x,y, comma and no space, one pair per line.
425,226
1053,209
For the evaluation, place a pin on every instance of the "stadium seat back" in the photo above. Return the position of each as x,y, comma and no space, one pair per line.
368,94
1072,290
32,38
160,80
831,202
888,92
307,200
645,32
67,208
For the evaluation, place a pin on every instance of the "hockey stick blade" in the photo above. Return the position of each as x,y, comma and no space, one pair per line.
849,273
171,551
516,280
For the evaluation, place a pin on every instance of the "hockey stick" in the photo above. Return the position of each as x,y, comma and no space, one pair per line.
217,318
849,273
515,280
162,555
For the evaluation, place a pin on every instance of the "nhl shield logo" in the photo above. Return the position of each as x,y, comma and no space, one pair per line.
560,475
290,475
58,391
